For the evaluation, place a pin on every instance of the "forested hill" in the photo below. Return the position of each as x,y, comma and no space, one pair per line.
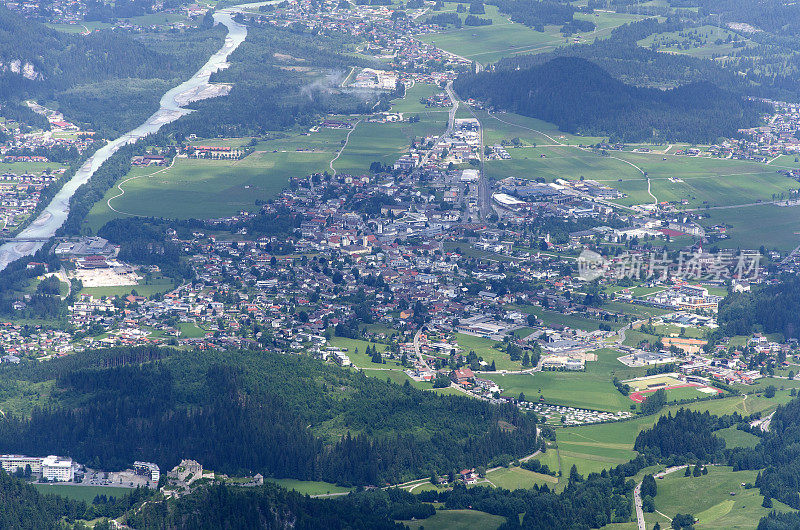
58,59
769,309
105,79
580,97
247,411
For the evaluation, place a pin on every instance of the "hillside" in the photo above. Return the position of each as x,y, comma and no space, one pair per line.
580,97
280,415
105,79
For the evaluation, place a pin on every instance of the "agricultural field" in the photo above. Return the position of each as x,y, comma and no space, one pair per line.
158,284
457,520
308,487
35,168
386,142
81,493
503,38
717,499
747,226
512,478
201,189
593,448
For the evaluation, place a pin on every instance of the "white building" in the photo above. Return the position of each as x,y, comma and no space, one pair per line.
58,469
10,463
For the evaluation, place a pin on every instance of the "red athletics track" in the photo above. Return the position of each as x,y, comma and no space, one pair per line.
639,396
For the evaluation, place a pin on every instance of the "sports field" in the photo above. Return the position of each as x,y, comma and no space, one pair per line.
717,499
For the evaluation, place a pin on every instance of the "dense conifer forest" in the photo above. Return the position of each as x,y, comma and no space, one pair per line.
248,412
769,309
580,97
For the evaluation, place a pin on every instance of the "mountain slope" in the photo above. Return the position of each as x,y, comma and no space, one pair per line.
580,97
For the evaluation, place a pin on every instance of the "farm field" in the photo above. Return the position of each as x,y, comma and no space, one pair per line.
81,493
386,142
457,520
487,44
709,499
591,389
308,487
512,478
195,188
593,448
747,226
27,167
156,285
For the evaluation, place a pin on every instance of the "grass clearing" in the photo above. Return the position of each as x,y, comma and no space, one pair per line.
512,478
735,438
484,347
709,498
591,389
81,493
457,520
308,487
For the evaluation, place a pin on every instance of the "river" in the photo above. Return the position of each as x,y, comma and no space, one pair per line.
171,108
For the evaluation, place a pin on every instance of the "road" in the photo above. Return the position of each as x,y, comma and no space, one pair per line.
344,145
451,120
417,350
637,495
763,423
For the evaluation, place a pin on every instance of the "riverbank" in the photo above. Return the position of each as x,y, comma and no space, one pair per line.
33,237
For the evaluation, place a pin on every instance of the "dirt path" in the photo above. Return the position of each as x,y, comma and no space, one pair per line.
344,145
122,191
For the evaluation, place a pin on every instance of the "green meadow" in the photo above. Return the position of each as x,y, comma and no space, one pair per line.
775,227
81,493
484,347
591,389
457,520
717,500
503,38
308,487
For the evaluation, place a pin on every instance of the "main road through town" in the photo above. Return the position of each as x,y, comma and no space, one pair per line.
171,108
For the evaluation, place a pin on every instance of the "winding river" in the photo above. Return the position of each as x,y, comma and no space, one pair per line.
33,237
